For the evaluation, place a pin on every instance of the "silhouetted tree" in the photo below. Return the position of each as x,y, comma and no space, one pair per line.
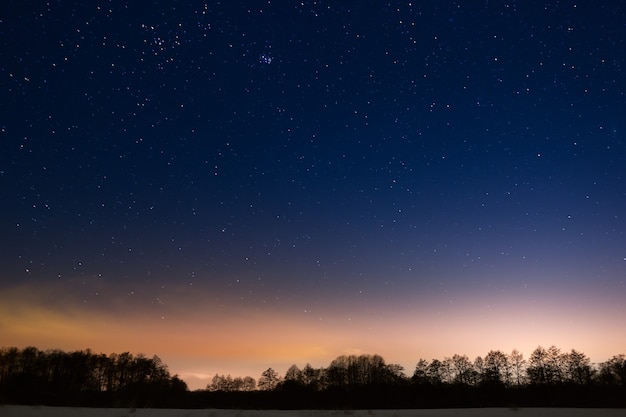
249,384
613,371
554,364
218,383
394,374
537,370
462,369
294,375
517,364
496,368
577,368
100,365
269,380
314,378
237,384
447,370
479,371
421,375
548,366
355,370
435,372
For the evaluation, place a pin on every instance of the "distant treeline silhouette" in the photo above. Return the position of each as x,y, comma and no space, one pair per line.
54,377
548,377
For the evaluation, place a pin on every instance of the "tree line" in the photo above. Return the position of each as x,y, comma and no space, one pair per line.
544,367
548,377
54,377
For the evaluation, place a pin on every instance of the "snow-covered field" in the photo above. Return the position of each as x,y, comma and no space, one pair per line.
29,411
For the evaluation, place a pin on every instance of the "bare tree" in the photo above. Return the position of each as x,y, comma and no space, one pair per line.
478,372
447,370
362,370
249,384
462,369
496,368
218,383
294,375
554,363
517,363
269,380
538,368
312,377
395,373
613,371
237,384
435,372
577,367
420,375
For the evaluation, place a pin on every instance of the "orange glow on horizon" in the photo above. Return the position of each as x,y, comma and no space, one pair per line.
200,342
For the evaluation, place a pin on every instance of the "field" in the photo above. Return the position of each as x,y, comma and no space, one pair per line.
30,411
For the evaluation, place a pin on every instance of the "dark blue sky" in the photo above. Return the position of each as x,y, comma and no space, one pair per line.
336,157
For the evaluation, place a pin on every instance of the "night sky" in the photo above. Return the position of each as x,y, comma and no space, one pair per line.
243,184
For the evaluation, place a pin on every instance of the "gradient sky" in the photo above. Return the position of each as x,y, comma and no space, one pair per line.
239,185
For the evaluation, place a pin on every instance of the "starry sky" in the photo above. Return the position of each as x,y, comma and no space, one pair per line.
239,185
